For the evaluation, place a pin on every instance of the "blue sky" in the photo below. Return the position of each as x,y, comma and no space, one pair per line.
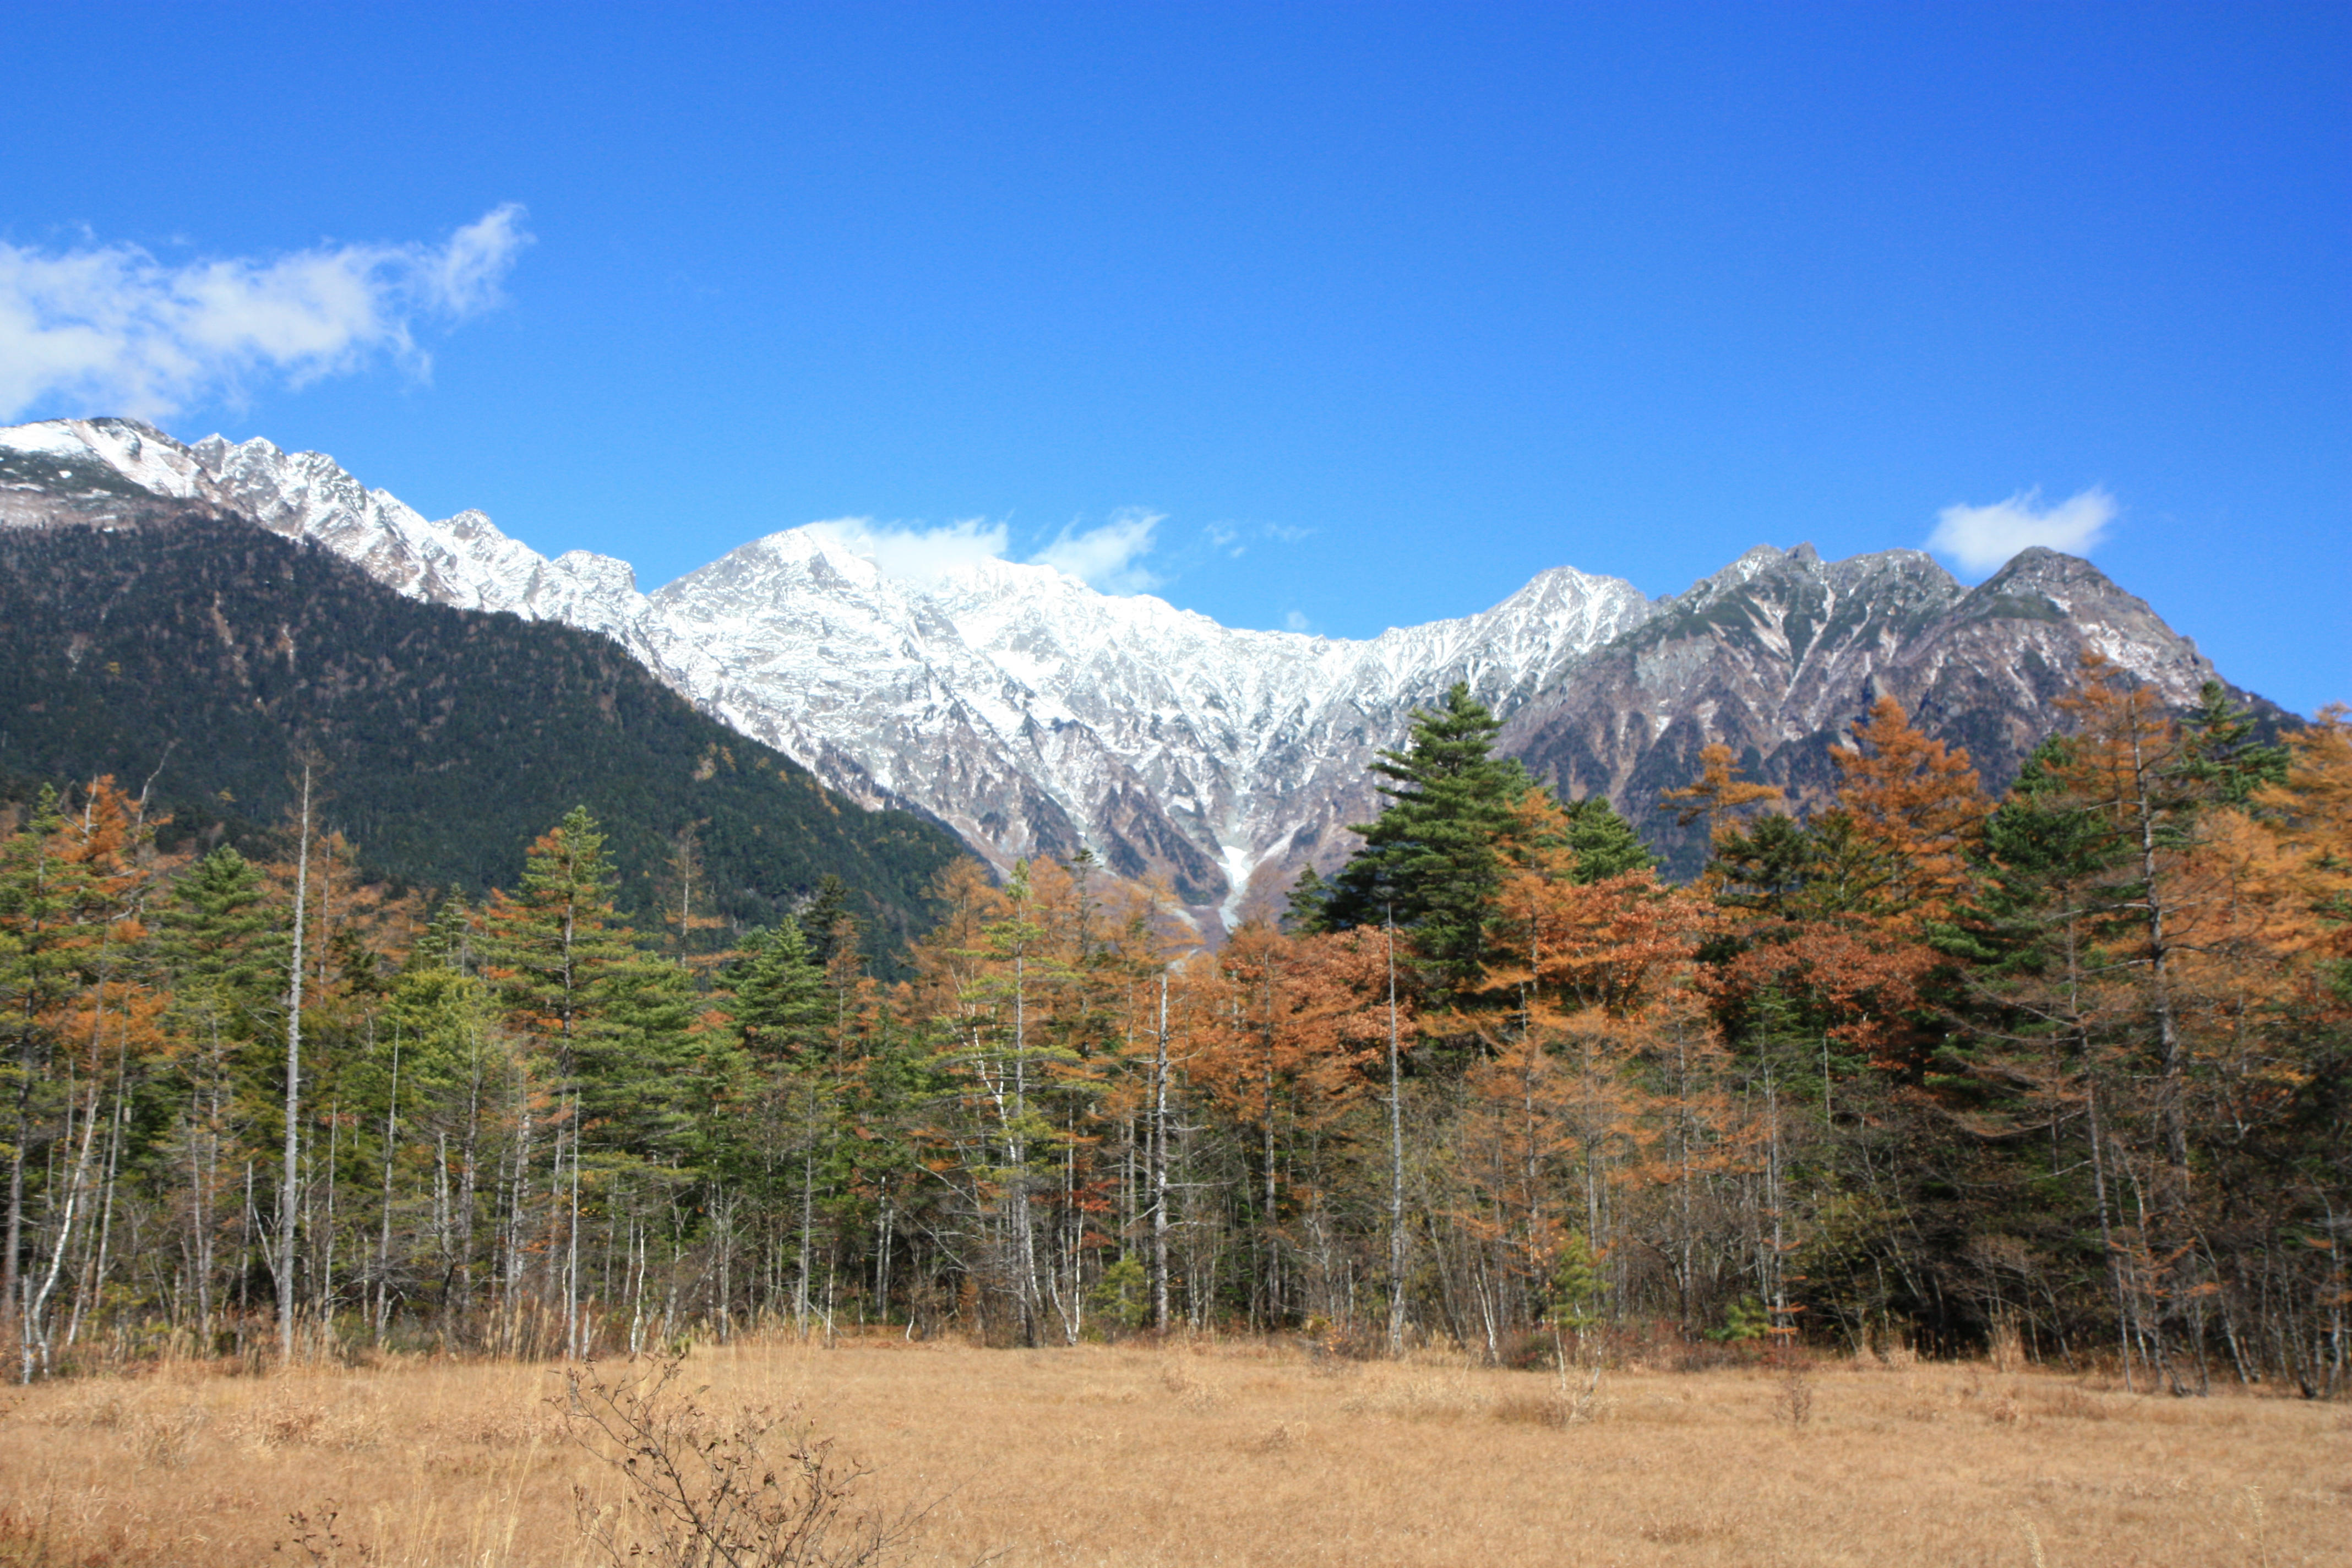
1377,310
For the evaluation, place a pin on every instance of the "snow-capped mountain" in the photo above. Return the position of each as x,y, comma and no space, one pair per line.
1036,715
1033,714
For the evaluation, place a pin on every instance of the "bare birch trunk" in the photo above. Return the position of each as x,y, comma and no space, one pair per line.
287,1210
1396,1160
1159,1156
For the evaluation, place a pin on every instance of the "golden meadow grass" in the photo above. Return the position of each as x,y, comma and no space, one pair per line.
1217,1452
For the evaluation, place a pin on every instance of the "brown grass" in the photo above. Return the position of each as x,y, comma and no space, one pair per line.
1215,1452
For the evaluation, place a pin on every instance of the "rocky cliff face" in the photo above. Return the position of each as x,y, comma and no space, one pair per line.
1035,715
1779,652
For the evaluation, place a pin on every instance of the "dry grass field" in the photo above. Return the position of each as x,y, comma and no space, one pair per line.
1212,1453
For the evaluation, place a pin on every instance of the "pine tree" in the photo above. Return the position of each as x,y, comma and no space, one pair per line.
826,922
553,942
1307,907
2222,752
778,998
1432,861
1603,842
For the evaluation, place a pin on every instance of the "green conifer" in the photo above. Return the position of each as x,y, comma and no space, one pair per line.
1606,845
1432,861
778,1001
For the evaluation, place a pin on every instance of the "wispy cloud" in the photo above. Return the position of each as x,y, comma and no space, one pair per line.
1108,557
919,555
109,329
1297,621
1981,538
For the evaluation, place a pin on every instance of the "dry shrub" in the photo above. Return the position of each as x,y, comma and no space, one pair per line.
1280,1439
316,1542
1792,1398
1681,1529
754,1489
1190,1390
2069,1405
1531,1409
164,1438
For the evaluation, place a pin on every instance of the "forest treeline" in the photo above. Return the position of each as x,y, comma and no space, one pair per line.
2068,1068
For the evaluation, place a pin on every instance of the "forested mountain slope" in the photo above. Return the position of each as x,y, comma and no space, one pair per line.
206,653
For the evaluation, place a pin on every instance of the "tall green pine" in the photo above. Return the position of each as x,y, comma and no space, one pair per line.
1432,860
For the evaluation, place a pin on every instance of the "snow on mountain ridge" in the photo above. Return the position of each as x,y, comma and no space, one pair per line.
1031,712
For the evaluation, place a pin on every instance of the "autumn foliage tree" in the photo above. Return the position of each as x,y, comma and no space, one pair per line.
1902,1063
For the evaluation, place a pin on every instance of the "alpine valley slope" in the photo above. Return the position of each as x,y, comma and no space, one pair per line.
1034,715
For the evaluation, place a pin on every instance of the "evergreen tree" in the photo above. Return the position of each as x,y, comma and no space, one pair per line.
447,940
779,1002
650,1078
1431,862
822,924
553,943
1309,907
1605,843
2221,752
221,943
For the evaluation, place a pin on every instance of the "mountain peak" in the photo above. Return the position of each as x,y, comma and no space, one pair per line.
2039,563
1035,715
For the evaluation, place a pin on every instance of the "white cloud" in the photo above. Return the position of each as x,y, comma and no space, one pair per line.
1222,538
1108,557
108,329
919,554
1981,538
1297,621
